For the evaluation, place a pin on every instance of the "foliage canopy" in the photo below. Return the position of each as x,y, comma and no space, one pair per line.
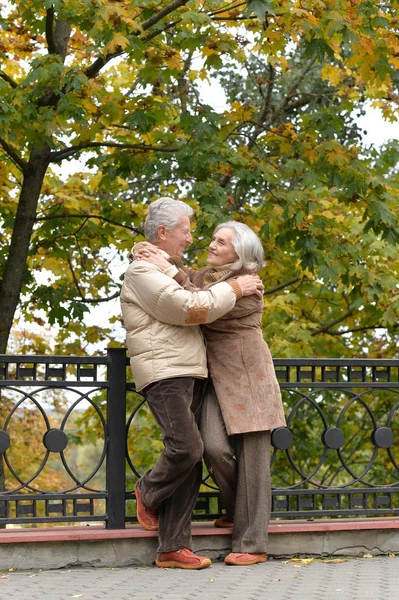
118,84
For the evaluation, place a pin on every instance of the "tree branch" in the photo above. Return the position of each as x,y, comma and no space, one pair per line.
295,85
325,328
98,300
101,61
281,286
8,79
13,155
355,329
230,6
82,297
57,156
86,217
163,13
50,30
182,84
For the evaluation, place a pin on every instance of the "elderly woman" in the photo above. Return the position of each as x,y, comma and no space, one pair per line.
243,401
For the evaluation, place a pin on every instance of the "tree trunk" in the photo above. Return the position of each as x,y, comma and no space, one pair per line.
11,284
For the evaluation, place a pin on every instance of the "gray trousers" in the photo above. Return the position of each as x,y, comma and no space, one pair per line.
240,466
173,484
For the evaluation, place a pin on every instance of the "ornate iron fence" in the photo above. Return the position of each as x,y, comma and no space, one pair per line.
75,435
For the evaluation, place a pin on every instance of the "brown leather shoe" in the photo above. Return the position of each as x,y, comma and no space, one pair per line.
224,521
244,559
182,559
147,517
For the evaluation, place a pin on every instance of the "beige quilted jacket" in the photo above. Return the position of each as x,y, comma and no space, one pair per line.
162,323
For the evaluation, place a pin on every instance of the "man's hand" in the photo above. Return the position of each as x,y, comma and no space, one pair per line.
251,284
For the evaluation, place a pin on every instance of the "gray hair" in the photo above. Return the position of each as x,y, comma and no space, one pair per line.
247,246
167,212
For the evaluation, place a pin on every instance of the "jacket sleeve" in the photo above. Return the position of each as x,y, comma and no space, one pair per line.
165,300
183,278
244,307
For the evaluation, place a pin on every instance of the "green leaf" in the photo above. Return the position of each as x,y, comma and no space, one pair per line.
318,47
260,8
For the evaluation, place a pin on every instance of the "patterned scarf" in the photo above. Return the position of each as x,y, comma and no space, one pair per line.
214,275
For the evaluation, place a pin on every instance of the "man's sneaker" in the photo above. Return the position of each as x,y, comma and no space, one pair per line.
182,559
147,517
244,560
224,522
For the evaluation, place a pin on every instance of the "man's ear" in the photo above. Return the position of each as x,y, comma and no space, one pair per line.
161,232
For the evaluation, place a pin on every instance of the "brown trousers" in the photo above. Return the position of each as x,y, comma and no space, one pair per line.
240,466
173,484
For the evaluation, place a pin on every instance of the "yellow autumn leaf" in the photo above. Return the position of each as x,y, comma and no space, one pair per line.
306,561
118,41
333,560
310,155
304,13
303,561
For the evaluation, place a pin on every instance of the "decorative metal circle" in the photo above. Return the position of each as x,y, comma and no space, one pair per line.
357,478
55,440
333,438
30,396
26,396
382,437
281,438
4,441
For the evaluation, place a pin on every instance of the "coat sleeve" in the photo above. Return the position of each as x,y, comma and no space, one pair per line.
165,300
184,278
244,307
188,278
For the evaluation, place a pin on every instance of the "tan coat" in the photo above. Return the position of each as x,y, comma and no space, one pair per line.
162,323
241,366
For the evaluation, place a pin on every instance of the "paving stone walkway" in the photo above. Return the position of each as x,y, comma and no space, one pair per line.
373,578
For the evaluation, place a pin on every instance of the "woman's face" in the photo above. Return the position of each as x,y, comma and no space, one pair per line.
221,251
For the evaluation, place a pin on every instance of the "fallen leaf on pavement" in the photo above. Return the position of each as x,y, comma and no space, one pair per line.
367,556
333,560
303,561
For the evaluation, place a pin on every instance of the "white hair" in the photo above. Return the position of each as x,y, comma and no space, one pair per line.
247,246
167,212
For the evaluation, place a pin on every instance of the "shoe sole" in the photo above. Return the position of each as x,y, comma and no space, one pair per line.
246,563
140,520
147,527
174,564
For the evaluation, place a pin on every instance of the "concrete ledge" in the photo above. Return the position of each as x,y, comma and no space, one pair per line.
59,547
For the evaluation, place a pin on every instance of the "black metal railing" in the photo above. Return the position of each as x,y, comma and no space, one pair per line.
75,435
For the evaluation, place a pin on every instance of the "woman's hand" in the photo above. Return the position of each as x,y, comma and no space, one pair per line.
251,284
152,254
143,250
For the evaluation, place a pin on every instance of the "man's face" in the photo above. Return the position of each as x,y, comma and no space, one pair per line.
174,242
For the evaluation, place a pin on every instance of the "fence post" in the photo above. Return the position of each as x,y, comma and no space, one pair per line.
116,422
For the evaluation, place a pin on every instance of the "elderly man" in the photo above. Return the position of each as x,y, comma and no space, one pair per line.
168,361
